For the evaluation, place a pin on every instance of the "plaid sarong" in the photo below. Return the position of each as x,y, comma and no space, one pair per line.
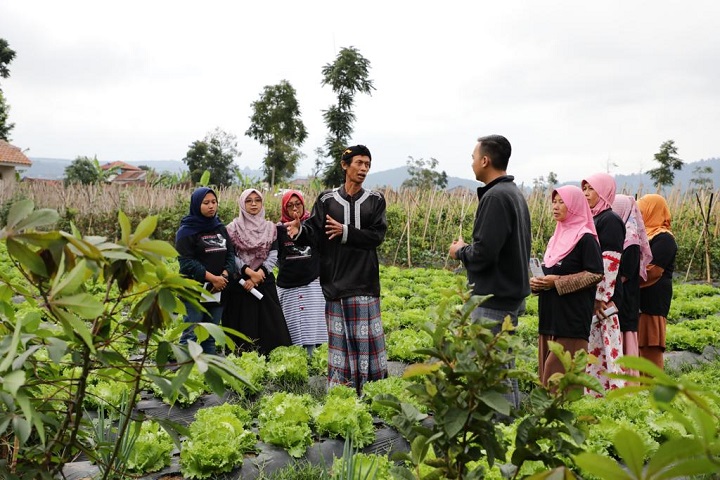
356,342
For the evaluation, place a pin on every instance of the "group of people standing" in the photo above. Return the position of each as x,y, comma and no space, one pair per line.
605,285
606,280
328,284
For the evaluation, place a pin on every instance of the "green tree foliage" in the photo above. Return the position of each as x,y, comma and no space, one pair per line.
6,56
347,75
82,170
86,170
664,175
276,124
216,154
423,174
5,125
91,307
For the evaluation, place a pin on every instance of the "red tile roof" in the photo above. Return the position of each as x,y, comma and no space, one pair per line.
12,154
121,165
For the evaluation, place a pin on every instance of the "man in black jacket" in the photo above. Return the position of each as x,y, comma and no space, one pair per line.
346,226
497,260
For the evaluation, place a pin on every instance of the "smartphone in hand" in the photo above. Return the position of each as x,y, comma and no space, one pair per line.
536,268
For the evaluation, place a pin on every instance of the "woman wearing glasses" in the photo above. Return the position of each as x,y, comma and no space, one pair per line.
298,281
255,241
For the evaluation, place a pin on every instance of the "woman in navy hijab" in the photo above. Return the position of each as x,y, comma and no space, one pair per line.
206,255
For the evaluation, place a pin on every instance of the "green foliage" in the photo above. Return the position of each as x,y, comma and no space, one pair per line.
5,125
284,420
218,441
288,364
395,386
360,466
254,367
277,125
695,452
694,335
319,360
405,344
151,450
216,153
423,175
6,57
84,170
344,415
664,175
347,75
89,302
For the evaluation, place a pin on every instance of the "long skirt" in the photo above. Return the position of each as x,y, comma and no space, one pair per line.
356,342
606,344
304,309
260,320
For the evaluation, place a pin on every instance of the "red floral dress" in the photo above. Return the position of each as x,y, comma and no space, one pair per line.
605,340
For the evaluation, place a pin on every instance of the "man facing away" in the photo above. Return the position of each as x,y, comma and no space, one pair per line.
346,225
497,260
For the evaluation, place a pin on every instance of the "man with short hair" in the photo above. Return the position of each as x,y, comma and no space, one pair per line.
497,260
346,225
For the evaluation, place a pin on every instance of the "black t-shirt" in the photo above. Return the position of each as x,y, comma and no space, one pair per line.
611,234
569,315
205,251
297,264
655,299
630,307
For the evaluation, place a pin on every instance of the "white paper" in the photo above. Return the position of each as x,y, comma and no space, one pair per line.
255,293
208,296
610,311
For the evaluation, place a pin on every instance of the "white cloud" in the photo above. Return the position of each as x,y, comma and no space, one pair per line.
573,85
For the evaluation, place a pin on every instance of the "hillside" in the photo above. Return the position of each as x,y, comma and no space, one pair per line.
54,168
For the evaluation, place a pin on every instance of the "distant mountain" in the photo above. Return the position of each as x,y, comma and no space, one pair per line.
634,182
396,176
54,168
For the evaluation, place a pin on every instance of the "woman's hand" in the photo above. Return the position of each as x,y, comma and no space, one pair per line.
256,276
218,282
538,284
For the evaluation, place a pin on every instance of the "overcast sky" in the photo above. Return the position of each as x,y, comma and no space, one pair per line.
576,86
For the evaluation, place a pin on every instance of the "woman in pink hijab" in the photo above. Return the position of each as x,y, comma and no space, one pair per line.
636,257
605,336
572,265
255,241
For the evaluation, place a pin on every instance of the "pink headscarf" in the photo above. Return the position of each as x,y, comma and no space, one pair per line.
251,235
635,234
604,185
284,213
578,222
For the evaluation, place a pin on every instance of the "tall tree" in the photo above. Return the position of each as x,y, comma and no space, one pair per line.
5,125
6,56
82,170
664,175
347,75
216,153
423,174
276,123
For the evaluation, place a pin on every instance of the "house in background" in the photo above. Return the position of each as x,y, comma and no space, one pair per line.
125,174
11,159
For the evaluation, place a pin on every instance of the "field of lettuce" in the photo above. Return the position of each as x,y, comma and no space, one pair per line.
93,381
291,417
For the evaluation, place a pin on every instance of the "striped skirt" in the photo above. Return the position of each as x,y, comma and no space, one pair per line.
304,310
356,342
